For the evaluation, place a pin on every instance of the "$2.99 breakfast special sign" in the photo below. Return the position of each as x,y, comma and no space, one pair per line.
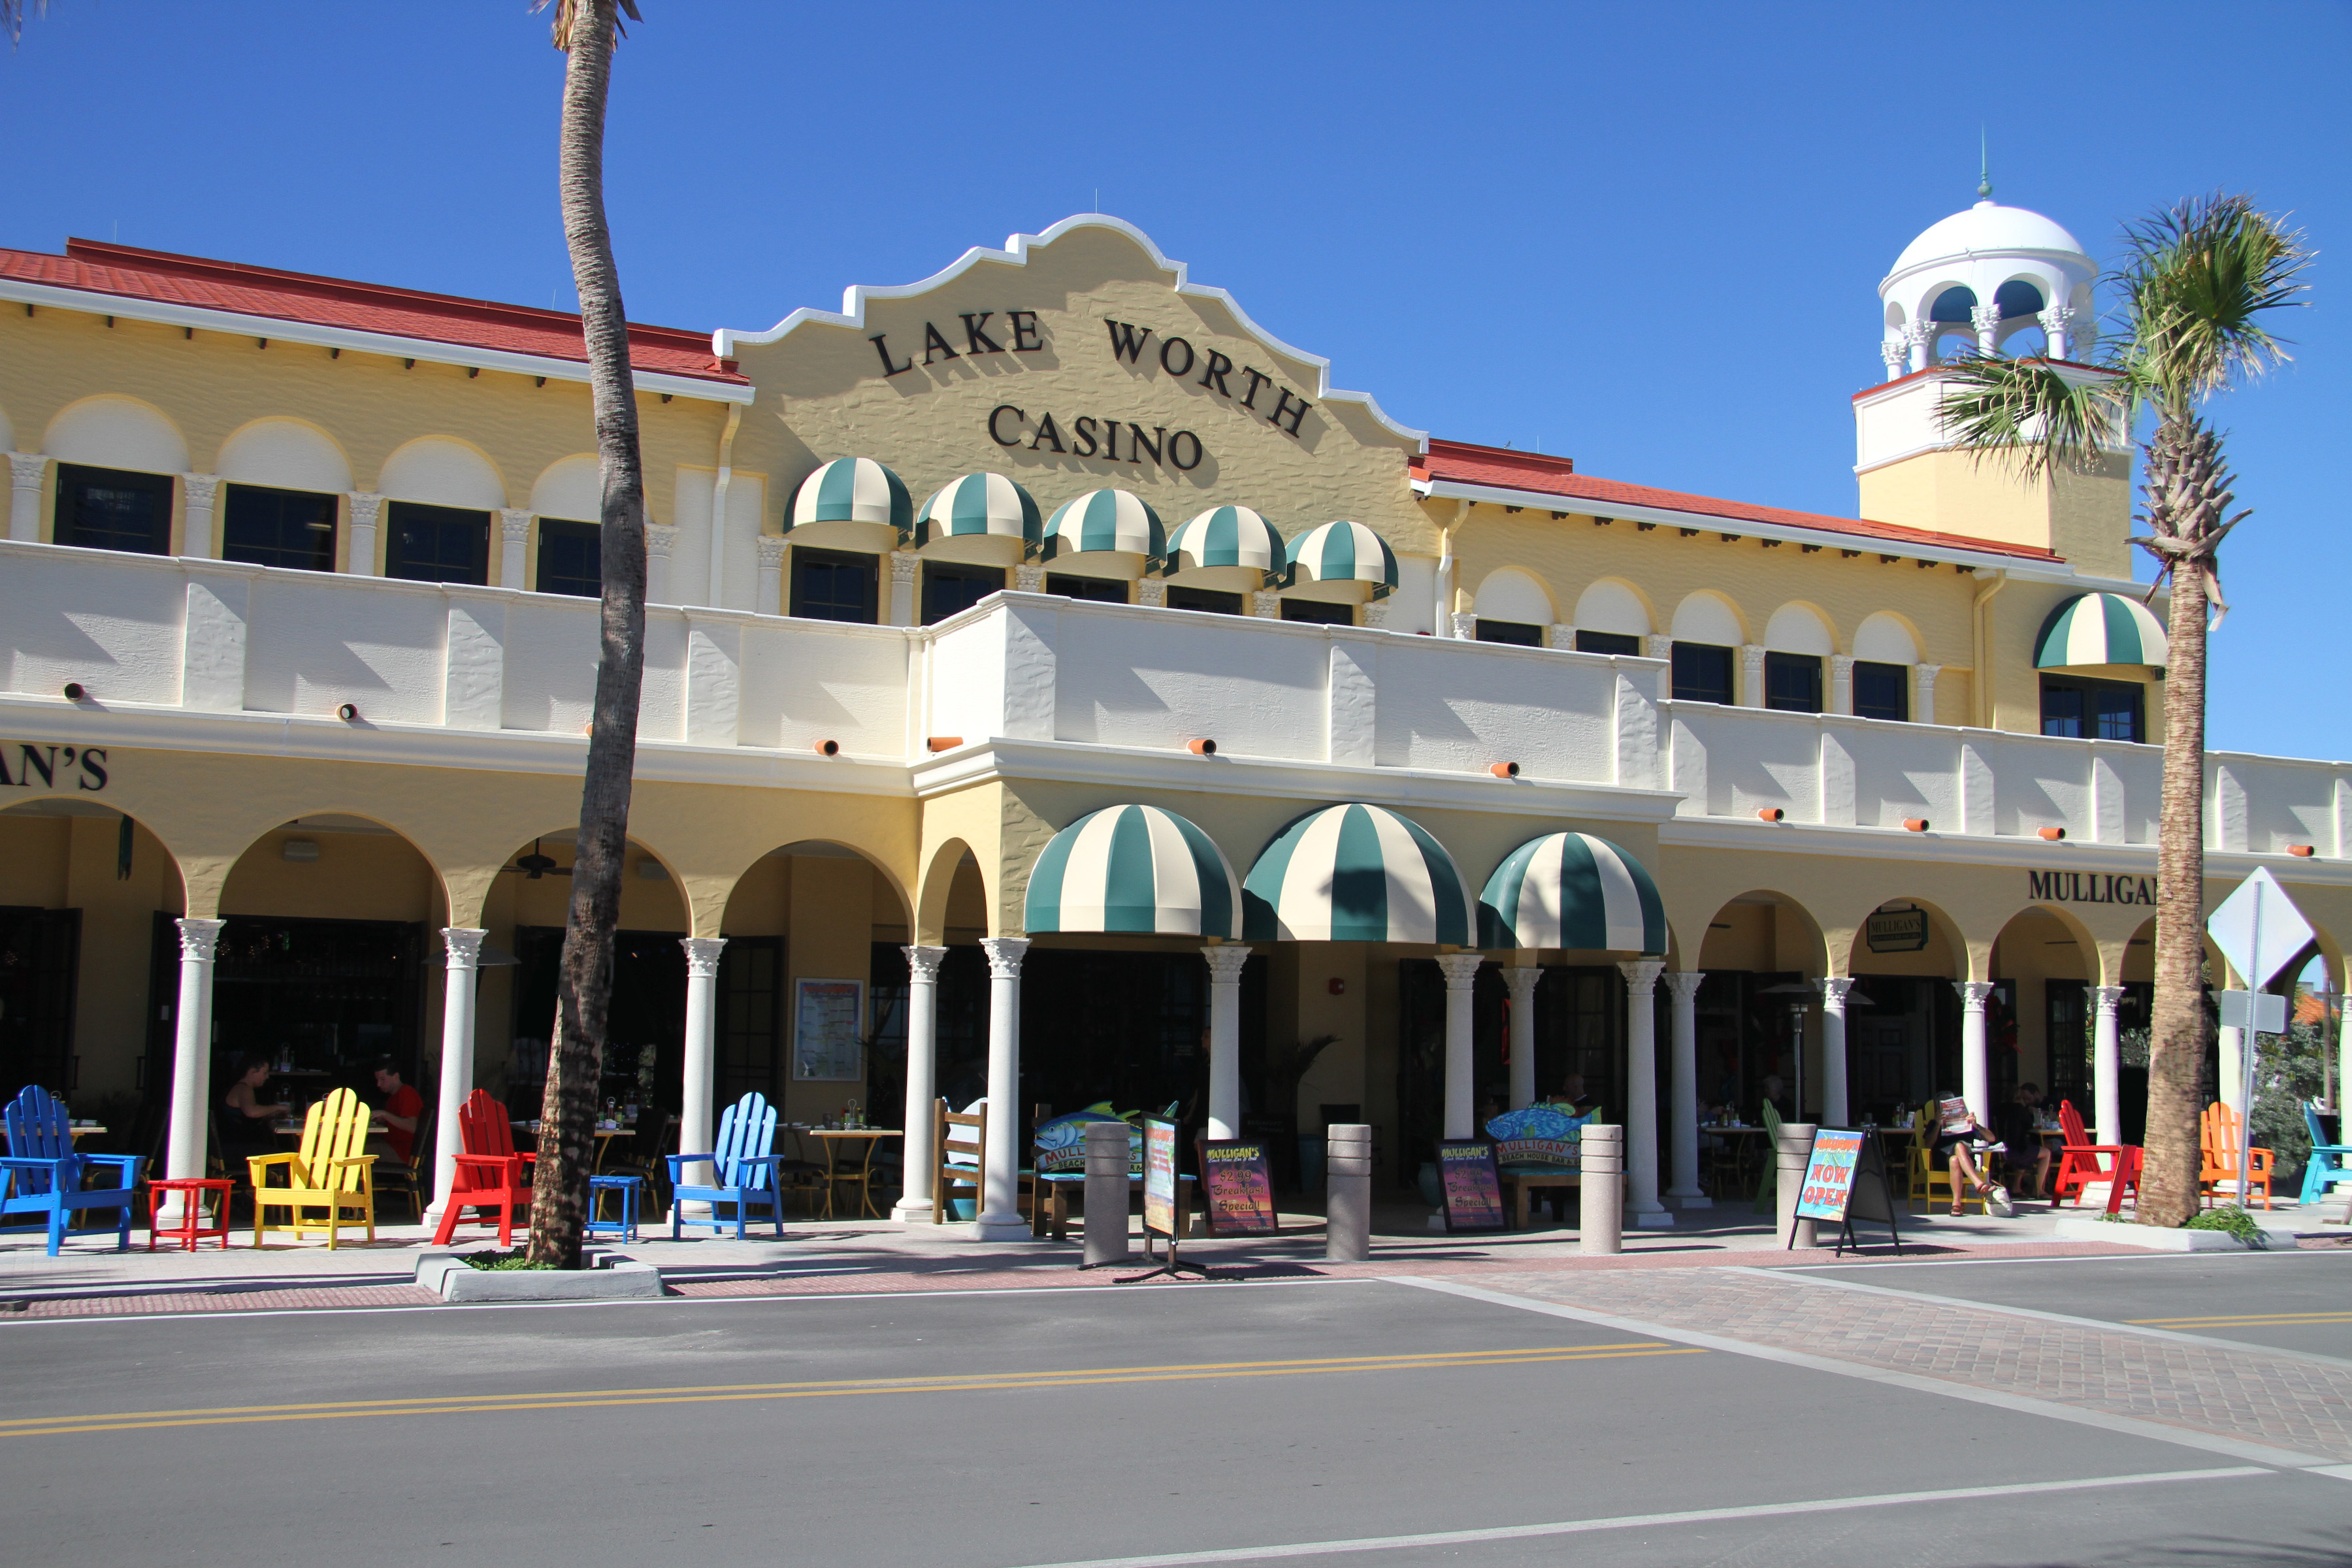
1240,1190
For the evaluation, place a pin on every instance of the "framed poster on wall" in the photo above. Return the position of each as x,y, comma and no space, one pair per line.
828,1018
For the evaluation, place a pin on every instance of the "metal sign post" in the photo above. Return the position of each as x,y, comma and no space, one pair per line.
2259,931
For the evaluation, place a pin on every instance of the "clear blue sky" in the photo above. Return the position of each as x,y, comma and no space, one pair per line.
1645,238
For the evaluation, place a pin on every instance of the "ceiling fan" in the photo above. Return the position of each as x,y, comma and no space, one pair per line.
535,864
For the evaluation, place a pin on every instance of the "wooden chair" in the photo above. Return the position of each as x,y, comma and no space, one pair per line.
1925,1177
410,1179
491,1174
743,1170
332,1172
41,1174
2327,1162
2218,1138
951,1171
2080,1160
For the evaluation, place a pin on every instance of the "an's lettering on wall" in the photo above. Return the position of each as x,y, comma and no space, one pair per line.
2091,887
53,767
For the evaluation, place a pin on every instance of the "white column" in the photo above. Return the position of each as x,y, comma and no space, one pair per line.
1376,614
358,558
1751,694
1682,1088
1521,978
1267,605
1641,1092
26,470
1920,337
695,1126
1465,625
904,563
197,526
1986,320
1923,692
661,539
2107,1065
1153,591
1897,354
514,539
2054,323
769,597
914,1205
1833,1094
462,946
1841,683
2234,1069
1000,1214
1976,1079
1225,1040
1029,577
1461,969
191,1050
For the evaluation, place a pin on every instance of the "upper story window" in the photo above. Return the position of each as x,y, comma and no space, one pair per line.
1100,590
1608,642
1207,599
833,585
1882,691
264,527
436,544
1701,673
1517,634
110,509
571,559
2093,709
1319,612
1792,682
950,588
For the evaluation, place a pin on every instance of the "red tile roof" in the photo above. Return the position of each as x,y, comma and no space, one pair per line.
197,282
1502,469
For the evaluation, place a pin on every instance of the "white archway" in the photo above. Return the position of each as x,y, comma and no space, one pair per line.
1512,594
1708,617
111,432
441,471
1608,606
572,488
1798,628
1883,638
284,453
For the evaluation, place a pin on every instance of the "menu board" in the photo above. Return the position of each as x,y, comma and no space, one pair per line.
1158,1176
825,1018
1471,1189
1240,1189
1829,1174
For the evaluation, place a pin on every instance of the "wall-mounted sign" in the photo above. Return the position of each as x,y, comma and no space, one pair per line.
53,767
2091,887
1896,931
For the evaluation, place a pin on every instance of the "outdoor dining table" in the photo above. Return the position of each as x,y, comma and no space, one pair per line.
833,1138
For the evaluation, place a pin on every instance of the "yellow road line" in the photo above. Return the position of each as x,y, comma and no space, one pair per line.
454,1405
2244,1319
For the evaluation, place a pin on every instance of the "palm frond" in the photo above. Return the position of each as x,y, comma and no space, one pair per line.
2028,416
2201,277
568,18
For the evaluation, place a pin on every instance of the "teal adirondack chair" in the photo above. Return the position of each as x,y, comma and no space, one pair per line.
2327,1162
744,1167
45,1175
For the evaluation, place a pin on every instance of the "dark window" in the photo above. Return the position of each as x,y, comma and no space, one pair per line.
1519,634
833,585
1882,691
437,544
571,559
265,527
1702,672
1319,612
105,509
950,589
1608,642
1101,590
1792,682
2093,709
1205,599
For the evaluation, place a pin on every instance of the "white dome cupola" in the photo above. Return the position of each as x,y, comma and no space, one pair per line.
1976,281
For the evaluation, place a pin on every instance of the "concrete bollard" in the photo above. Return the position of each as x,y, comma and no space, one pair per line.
1106,1190
1601,1192
1795,1149
1347,1192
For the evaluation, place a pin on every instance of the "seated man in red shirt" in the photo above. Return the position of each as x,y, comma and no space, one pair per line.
401,1109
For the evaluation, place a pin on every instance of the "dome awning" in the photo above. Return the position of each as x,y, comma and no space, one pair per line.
2100,628
1133,869
1344,552
1228,536
853,490
1106,519
1355,873
1572,891
981,504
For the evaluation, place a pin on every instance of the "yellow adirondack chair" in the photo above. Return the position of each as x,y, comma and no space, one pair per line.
1925,1177
333,1172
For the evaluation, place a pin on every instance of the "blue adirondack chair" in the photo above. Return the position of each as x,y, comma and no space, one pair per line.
45,1175
745,1169
2327,1162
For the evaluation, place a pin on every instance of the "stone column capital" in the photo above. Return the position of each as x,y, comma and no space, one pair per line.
903,566
1465,625
514,525
1521,978
1985,319
1376,614
1683,984
26,469
200,488
772,547
661,539
1640,975
1005,955
365,505
2106,998
1896,354
1225,964
1973,994
1927,672
1751,658
1918,334
196,939
923,964
1834,990
1267,605
1151,591
1460,969
1658,645
702,956
1029,578
463,946
1841,665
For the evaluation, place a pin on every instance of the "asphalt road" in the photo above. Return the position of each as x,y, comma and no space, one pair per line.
1004,1429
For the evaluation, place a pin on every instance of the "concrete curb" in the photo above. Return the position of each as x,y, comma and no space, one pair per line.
606,1279
2149,1236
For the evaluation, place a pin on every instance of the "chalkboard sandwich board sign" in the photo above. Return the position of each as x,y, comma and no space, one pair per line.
1472,1187
1239,1188
1846,1180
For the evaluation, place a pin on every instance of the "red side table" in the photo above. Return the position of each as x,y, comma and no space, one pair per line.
189,1229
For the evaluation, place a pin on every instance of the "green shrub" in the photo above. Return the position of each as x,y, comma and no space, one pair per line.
2233,1219
501,1261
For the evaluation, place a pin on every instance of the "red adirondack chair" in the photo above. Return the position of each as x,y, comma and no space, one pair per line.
2080,1160
491,1174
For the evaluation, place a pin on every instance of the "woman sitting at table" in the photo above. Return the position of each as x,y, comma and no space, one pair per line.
247,1117
1952,1146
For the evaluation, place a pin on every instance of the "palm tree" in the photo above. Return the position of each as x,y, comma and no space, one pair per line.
2198,282
586,30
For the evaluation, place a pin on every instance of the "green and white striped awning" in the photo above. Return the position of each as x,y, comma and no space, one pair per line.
853,490
1572,891
1344,552
1228,536
1106,519
981,504
1355,873
2100,628
1133,869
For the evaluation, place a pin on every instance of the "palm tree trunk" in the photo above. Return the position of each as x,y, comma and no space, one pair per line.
559,1203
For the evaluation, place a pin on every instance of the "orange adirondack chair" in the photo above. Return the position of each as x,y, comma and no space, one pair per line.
491,1174
2080,1160
2217,1135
